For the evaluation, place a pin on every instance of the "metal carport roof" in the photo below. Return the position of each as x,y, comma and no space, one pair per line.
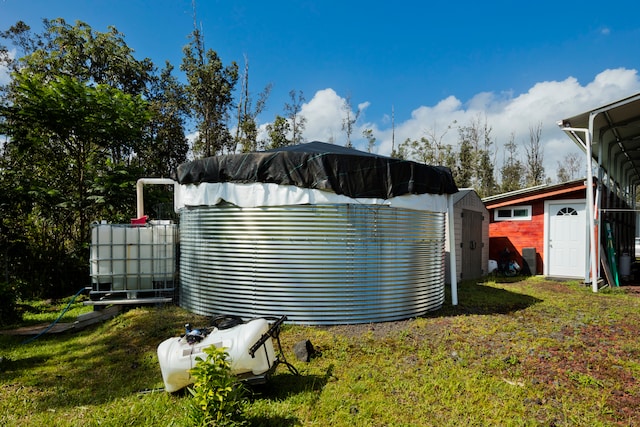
610,138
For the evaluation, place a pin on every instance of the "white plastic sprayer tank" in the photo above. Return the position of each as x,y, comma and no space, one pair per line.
177,356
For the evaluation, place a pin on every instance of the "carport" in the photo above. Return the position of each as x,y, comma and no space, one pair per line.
610,137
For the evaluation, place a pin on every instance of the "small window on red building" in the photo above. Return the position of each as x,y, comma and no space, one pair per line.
513,213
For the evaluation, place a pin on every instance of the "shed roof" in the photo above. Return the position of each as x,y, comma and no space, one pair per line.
463,193
533,193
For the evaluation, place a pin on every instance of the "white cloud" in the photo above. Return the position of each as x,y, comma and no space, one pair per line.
545,103
4,71
324,115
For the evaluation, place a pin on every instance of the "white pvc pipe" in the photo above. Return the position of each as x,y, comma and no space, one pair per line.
154,181
452,252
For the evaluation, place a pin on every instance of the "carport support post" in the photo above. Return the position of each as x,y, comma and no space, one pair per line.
593,240
452,252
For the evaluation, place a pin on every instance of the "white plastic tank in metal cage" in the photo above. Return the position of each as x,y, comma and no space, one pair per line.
133,260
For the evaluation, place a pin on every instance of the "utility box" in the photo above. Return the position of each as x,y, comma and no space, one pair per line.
529,257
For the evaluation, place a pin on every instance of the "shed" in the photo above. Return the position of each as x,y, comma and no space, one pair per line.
543,227
471,234
318,232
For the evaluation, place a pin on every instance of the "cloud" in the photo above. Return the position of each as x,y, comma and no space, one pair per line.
324,114
507,114
4,71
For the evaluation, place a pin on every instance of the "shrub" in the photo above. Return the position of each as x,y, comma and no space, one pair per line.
9,296
218,396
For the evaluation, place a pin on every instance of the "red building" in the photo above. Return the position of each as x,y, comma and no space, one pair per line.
543,228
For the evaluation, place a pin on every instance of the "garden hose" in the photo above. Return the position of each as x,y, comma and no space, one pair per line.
55,321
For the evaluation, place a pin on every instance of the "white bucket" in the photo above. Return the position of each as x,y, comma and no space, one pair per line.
493,265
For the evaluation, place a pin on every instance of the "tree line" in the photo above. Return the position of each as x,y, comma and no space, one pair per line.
82,119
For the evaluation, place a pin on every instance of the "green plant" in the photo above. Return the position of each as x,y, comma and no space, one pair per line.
585,380
9,296
218,396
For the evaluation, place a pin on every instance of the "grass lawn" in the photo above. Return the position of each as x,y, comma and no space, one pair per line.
525,353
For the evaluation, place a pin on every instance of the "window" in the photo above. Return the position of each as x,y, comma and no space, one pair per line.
513,213
567,211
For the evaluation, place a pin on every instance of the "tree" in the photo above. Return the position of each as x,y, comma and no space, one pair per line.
487,182
278,131
463,173
350,119
393,134
371,140
443,154
164,146
570,168
67,130
512,169
68,121
247,127
535,174
475,166
296,119
75,115
78,51
210,89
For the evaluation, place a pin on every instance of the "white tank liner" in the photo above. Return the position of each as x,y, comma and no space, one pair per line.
266,194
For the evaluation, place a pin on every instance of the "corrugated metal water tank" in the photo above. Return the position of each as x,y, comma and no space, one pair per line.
317,264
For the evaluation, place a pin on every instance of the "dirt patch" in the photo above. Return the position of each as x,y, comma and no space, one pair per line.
632,290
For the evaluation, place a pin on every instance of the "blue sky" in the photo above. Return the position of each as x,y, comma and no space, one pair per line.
513,64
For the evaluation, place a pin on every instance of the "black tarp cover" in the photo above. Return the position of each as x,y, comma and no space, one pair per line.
322,166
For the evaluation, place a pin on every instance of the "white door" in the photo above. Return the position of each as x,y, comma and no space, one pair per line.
567,237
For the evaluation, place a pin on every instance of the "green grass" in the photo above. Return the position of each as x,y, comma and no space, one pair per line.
524,353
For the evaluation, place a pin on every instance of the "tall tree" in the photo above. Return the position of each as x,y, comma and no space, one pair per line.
371,140
463,173
393,133
349,120
80,124
247,126
75,115
570,168
210,88
293,113
486,179
165,145
477,156
278,131
512,171
535,174
79,51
